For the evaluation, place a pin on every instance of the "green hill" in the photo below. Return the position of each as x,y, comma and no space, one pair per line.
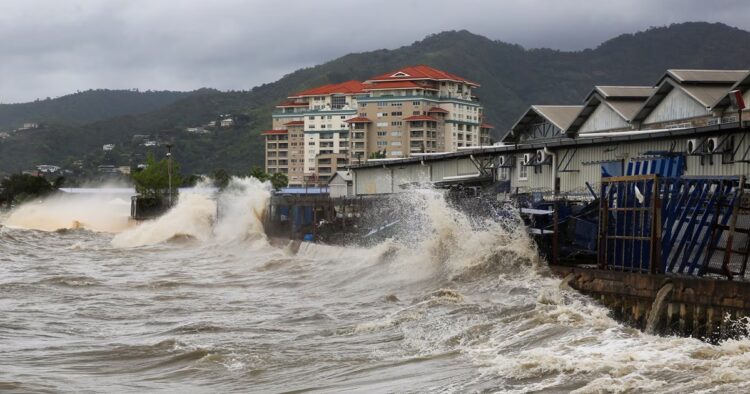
85,107
511,77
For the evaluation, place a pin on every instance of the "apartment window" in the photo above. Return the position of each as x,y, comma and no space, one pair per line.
382,133
311,118
397,123
396,113
416,113
363,104
382,103
311,143
383,143
416,103
396,153
363,114
382,124
338,102
396,104
381,114
395,143
395,134
523,171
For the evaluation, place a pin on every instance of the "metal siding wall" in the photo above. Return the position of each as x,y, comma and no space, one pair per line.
466,167
515,183
337,190
575,181
442,169
409,173
603,118
677,105
375,180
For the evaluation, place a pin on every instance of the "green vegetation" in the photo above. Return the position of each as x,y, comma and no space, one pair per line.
278,180
378,155
86,107
221,178
18,188
512,78
153,181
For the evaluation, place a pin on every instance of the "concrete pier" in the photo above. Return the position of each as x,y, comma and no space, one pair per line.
697,307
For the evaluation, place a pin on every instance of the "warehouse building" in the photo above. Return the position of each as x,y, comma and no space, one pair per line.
558,150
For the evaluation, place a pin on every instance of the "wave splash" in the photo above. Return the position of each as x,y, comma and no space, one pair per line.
234,215
100,212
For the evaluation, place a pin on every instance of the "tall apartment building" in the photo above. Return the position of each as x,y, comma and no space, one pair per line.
412,110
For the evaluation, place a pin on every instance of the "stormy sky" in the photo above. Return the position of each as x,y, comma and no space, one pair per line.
55,47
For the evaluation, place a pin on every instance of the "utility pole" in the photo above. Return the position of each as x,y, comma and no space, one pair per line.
169,171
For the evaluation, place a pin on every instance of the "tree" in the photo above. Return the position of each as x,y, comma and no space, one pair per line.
153,181
278,179
221,178
378,154
20,187
259,174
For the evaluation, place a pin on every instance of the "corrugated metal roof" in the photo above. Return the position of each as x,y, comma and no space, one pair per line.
345,175
707,95
742,85
626,108
625,91
707,76
559,115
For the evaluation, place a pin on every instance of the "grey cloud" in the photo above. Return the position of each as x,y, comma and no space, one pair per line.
51,48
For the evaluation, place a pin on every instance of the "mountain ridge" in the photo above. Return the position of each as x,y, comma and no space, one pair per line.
511,76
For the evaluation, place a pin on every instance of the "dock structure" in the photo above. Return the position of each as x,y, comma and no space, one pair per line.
641,193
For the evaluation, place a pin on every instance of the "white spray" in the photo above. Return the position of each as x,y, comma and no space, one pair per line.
240,208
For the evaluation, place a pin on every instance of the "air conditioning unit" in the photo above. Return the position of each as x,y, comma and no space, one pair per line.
541,156
694,146
712,144
526,159
504,161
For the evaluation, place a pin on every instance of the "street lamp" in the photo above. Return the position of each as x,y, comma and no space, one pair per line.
169,171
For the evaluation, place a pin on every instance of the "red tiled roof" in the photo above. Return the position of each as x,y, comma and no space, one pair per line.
486,126
394,85
292,104
421,72
295,123
348,87
274,132
417,118
359,119
437,109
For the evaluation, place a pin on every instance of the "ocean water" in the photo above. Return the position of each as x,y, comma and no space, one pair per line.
193,302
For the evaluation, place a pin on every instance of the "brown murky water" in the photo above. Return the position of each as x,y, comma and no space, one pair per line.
195,304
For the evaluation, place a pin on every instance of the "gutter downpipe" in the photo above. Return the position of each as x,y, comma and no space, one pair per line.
554,169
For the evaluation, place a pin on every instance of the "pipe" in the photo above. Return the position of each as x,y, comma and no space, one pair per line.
554,169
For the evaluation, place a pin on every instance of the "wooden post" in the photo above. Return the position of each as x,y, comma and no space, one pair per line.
655,258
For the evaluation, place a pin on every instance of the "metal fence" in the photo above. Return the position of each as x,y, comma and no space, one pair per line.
679,225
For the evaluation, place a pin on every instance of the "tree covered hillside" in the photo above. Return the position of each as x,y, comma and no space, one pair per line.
511,76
